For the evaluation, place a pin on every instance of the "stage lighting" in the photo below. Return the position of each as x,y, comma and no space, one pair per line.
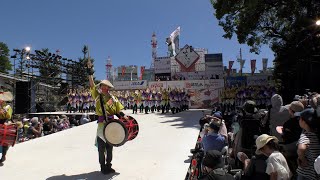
14,56
27,49
16,50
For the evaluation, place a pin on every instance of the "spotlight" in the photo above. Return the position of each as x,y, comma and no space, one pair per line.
16,50
27,49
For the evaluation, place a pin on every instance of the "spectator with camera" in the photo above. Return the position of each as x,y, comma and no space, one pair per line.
212,140
35,130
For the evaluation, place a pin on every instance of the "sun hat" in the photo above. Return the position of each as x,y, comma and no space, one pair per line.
5,95
262,140
106,82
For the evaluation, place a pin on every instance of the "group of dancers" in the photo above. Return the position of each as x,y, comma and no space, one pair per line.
80,101
164,100
152,100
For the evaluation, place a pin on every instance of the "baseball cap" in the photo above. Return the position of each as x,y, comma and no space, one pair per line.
296,106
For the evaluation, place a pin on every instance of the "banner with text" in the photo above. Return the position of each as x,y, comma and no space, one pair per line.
121,85
162,65
257,80
157,84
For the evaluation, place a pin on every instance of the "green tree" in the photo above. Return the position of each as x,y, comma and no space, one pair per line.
48,65
5,64
288,27
81,76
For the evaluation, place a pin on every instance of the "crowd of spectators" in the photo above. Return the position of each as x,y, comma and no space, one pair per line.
36,127
282,142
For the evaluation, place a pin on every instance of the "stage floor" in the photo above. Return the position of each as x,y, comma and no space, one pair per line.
160,151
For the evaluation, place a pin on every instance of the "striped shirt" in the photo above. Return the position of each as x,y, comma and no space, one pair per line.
312,152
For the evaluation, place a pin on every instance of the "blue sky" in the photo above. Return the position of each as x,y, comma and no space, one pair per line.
120,29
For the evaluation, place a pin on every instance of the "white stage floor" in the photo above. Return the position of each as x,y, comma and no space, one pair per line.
160,151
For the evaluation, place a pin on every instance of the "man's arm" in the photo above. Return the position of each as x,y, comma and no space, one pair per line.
90,72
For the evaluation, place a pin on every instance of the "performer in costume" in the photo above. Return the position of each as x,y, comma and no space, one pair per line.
158,100
147,100
74,101
172,101
5,115
69,103
165,101
137,101
143,98
153,101
85,97
131,99
112,107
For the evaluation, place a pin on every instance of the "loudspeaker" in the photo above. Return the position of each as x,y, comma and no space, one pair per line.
63,88
22,97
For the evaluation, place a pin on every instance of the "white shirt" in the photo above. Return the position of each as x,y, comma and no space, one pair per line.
277,163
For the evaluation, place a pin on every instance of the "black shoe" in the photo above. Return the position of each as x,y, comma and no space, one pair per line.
103,170
2,159
110,170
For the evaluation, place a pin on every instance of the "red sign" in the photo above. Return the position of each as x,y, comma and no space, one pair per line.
230,67
253,66
123,70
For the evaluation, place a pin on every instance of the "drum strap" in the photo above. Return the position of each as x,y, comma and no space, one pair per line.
103,109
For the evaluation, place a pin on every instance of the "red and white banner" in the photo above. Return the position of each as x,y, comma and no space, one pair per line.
142,68
123,70
253,66
264,64
157,84
230,67
242,61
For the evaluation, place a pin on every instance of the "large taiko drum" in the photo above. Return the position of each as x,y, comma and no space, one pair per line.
8,135
119,131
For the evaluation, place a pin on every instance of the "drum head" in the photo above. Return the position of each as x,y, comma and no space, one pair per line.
115,133
134,128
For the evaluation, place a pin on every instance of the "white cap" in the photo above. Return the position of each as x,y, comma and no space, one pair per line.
25,119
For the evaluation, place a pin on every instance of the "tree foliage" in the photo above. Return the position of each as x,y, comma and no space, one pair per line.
288,27
48,65
5,64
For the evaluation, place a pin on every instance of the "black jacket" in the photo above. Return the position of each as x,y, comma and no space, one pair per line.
218,174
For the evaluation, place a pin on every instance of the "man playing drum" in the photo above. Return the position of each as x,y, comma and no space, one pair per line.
5,115
112,107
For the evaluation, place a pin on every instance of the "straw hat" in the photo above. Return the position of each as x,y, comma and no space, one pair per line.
5,96
107,83
262,140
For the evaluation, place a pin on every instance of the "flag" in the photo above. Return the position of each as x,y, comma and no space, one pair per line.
253,66
230,67
264,64
142,71
242,61
123,70
174,36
